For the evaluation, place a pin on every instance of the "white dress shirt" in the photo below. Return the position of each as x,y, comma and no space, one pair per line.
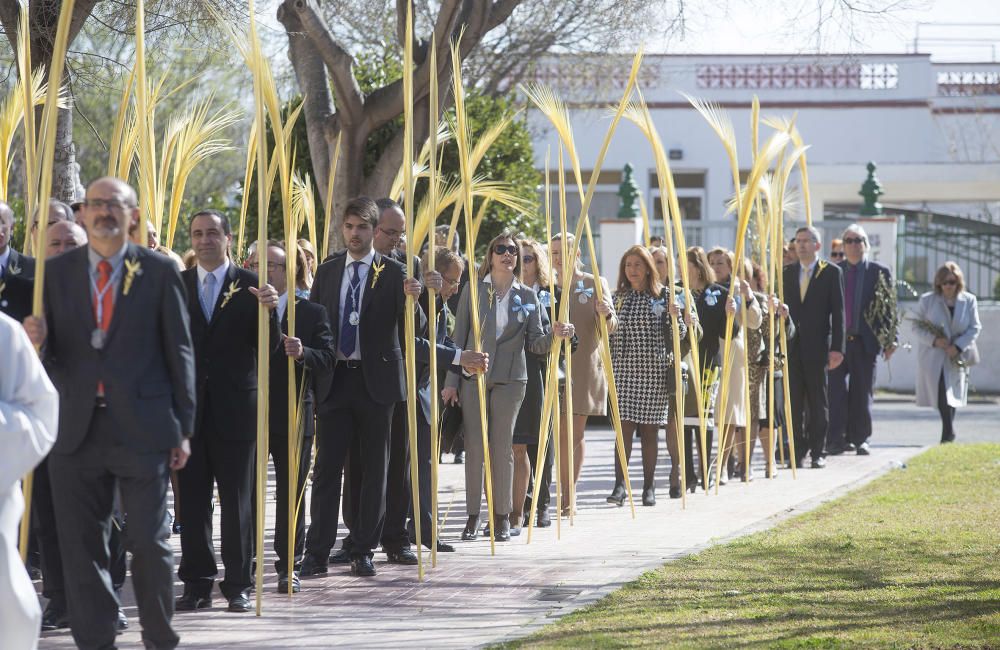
220,278
282,305
345,303
503,306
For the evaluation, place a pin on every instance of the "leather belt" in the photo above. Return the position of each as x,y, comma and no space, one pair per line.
354,364
100,402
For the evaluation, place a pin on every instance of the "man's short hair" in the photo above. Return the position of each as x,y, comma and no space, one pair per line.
444,258
387,204
6,212
226,228
363,208
812,230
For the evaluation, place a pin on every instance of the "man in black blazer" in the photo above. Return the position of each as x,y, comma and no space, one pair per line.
17,271
312,349
223,301
362,291
851,403
117,346
814,292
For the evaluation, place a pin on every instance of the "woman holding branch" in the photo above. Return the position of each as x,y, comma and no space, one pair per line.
589,387
641,351
511,324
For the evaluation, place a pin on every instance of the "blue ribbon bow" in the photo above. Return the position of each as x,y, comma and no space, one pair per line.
520,309
712,296
659,305
545,298
680,298
586,291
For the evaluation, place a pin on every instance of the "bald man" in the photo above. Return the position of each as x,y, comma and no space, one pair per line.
64,236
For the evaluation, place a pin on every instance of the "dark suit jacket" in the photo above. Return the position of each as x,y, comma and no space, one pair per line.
446,349
819,320
382,308
313,328
17,286
147,364
226,355
871,271
23,264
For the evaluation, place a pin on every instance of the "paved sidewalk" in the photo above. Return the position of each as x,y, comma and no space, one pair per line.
473,599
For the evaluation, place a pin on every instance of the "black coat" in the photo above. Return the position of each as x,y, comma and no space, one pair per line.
17,284
871,271
819,320
226,355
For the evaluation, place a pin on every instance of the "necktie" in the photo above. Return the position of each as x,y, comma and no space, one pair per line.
349,330
803,284
208,296
104,304
852,276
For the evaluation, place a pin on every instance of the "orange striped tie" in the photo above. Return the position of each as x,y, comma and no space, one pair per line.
107,304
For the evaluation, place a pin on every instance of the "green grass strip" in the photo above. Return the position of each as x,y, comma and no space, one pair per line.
911,560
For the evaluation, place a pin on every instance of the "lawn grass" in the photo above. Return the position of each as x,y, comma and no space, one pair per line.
910,560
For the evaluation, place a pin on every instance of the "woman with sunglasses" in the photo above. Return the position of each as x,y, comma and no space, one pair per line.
589,388
510,323
642,354
837,250
946,325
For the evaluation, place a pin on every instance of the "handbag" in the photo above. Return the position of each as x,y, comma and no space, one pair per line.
970,355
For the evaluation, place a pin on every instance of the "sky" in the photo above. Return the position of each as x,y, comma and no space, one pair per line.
756,26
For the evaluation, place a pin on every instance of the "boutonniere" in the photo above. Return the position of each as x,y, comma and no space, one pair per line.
659,305
132,269
14,268
619,301
545,298
521,309
234,288
490,295
822,265
378,268
583,293
712,296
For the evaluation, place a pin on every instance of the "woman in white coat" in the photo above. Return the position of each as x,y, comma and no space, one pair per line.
943,361
29,412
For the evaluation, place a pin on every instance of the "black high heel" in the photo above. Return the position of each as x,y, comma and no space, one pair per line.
617,495
471,533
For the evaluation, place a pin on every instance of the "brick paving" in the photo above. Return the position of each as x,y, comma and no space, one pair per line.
471,599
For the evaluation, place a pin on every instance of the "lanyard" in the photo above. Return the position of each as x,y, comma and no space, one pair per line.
99,294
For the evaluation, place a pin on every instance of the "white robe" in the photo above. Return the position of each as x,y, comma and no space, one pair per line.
29,415
962,330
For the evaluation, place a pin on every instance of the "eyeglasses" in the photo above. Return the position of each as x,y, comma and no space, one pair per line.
451,283
528,258
500,249
271,266
111,204
836,255
949,283
854,240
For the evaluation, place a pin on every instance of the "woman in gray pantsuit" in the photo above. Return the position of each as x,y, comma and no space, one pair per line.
509,320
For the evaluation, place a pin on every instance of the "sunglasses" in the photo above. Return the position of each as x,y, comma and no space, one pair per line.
949,283
528,258
500,249
854,240
836,255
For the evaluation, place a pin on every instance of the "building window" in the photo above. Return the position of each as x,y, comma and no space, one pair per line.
690,188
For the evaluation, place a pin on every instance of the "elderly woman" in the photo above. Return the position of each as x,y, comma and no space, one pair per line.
946,325
510,320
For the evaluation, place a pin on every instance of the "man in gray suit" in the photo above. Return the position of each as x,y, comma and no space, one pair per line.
117,346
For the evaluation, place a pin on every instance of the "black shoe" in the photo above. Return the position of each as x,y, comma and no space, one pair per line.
471,531
283,582
459,457
948,438
543,520
444,547
649,496
311,566
189,601
675,492
501,528
402,556
515,531
850,447
818,463
836,449
240,603
618,495
361,566
864,449
122,621
55,617
342,556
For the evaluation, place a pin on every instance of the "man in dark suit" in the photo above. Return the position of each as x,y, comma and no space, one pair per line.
362,291
851,403
17,271
223,301
814,291
312,349
117,346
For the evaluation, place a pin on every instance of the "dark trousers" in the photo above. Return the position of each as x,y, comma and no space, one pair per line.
43,521
852,386
228,464
692,469
947,412
83,485
355,425
398,493
807,387
279,453
424,481
540,487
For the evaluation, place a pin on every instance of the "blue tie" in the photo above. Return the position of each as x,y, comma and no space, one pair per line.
349,331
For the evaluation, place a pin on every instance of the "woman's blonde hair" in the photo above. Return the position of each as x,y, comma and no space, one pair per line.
947,269
570,239
541,261
653,285
698,259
